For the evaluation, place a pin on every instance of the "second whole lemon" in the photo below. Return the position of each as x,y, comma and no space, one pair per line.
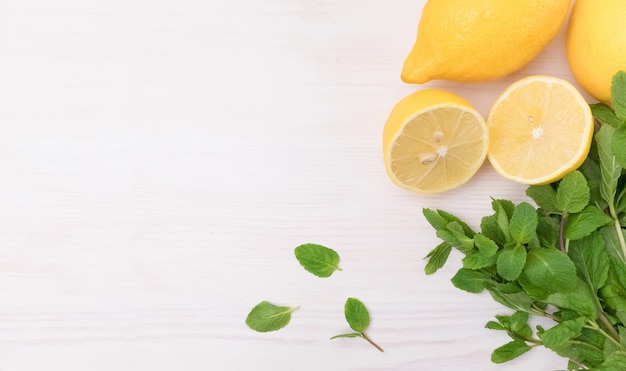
596,44
481,40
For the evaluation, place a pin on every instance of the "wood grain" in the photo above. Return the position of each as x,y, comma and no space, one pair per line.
160,160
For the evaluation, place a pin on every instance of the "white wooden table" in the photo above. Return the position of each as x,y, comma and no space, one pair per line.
160,160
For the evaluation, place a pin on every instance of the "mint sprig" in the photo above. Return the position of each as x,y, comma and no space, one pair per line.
358,319
563,259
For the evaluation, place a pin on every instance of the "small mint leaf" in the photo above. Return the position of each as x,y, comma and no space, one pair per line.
573,193
357,315
618,95
265,317
509,351
317,259
605,115
618,145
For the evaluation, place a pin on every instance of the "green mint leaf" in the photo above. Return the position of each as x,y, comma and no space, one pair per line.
548,231
451,218
580,299
591,170
551,269
612,240
437,258
509,351
504,210
618,145
265,317
466,242
493,325
471,280
524,222
520,301
610,168
618,95
591,260
435,219
317,259
476,260
511,261
490,229
613,362
519,321
586,222
534,291
485,245
605,114
544,196
557,336
356,314
573,193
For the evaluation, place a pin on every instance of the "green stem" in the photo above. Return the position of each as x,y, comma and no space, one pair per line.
613,337
371,342
620,236
562,233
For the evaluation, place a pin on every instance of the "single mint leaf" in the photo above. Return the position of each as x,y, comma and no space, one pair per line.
544,196
618,145
524,222
586,222
485,245
519,320
612,240
548,231
572,194
591,170
509,351
550,269
511,261
318,259
490,229
618,95
437,258
610,168
493,325
435,219
605,114
504,210
476,260
520,301
356,314
536,292
265,317
580,299
591,260
557,336
470,280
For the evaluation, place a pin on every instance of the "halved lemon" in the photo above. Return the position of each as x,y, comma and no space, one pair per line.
540,129
433,141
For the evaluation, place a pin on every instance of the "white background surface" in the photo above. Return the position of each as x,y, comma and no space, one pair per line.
160,160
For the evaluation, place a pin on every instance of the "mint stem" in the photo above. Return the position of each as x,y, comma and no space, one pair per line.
620,236
562,233
371,342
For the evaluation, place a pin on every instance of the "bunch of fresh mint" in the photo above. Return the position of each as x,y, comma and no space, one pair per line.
564,260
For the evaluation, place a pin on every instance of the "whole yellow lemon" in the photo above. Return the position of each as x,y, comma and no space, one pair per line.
596,44
481,40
